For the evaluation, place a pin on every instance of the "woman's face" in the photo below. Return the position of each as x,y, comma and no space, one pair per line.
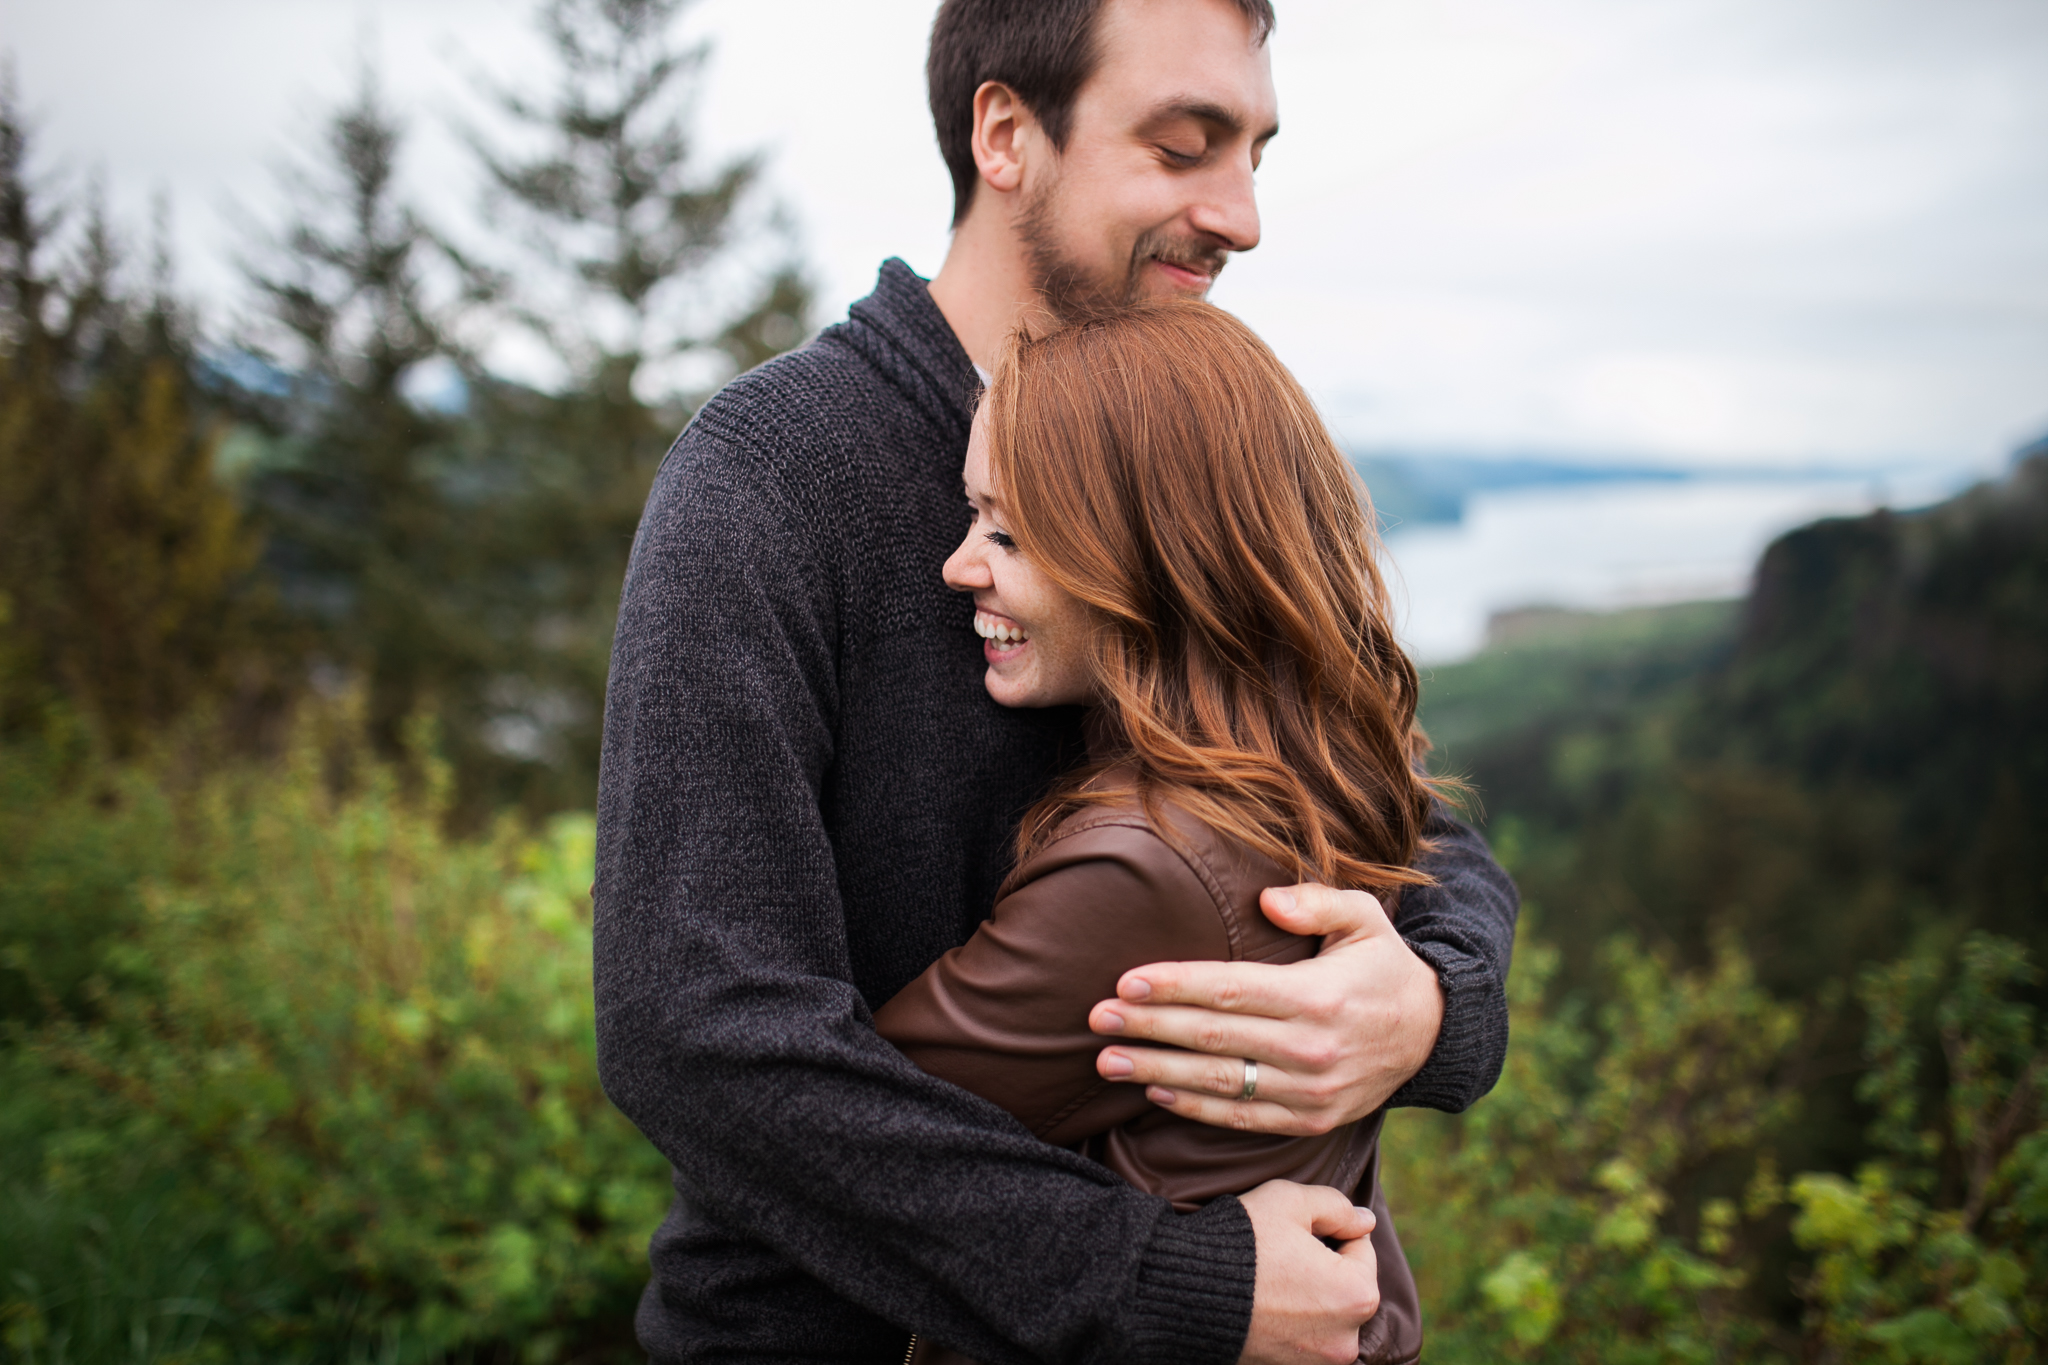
1034,634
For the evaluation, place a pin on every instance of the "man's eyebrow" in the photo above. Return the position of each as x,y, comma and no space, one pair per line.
1203,111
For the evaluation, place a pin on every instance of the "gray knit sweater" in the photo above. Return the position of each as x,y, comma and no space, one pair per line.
807,797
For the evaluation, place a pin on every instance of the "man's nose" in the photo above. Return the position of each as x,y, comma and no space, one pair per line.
1229,211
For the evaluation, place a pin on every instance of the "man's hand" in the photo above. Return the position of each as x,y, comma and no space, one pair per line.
1308,1301
1334,1035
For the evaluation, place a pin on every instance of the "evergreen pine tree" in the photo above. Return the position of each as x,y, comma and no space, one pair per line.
631,238
461,553
373,508
635,264
124,563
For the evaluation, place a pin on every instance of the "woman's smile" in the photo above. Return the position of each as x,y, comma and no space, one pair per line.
1003,639
1046,662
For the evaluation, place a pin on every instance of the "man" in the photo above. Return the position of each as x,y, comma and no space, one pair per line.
807,797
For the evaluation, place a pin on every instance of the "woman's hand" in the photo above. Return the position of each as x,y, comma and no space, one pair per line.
1333,1035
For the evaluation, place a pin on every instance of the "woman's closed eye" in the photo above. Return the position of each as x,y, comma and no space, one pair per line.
1002,539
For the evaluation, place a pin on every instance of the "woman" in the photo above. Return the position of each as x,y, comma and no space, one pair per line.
1165,533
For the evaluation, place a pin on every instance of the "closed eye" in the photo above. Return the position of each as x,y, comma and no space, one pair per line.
1002,539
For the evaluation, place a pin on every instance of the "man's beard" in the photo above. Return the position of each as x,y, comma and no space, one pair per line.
1070,291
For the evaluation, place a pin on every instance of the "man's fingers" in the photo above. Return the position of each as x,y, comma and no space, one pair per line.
1206,1089
1332,1215
1246,1116
1177,1070
1229,1036
1313,910
1309,1301
1360,1252
1242,988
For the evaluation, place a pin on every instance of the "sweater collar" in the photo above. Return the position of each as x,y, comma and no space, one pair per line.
902,310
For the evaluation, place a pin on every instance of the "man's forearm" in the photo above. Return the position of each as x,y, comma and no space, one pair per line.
1464,928
902,1193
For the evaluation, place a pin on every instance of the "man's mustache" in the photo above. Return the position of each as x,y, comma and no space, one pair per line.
1201,257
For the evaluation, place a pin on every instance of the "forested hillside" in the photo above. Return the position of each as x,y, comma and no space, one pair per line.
1789,855
1858,751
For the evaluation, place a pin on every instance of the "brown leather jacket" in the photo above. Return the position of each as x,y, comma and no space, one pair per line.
1005,1015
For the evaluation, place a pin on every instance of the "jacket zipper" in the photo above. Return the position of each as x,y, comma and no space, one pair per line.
911,1349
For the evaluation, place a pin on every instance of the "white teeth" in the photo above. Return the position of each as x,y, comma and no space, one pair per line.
989,628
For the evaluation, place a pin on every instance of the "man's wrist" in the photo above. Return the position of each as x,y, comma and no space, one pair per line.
1193,1297
1422,1013
1471,1037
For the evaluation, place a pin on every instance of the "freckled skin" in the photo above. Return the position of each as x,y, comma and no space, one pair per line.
1050,666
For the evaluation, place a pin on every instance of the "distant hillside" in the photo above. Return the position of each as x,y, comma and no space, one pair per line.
1858,751
1546,666
1851,764
1908,654
1419,490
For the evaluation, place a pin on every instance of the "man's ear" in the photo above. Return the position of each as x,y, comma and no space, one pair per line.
1003,129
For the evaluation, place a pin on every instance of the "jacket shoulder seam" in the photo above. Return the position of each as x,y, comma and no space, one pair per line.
1190,858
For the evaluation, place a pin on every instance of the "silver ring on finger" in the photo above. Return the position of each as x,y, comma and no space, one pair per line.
1251,1080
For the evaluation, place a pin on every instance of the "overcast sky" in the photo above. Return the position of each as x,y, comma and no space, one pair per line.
1788,232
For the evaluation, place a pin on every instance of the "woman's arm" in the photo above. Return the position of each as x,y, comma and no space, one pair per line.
1006,1014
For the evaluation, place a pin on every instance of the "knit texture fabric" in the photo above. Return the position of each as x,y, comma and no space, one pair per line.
806,798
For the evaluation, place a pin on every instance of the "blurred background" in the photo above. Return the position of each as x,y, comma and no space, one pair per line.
1695,354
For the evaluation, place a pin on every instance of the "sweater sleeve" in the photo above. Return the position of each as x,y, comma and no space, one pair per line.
729,1028
1463,927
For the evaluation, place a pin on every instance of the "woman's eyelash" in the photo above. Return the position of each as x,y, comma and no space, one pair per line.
1002,538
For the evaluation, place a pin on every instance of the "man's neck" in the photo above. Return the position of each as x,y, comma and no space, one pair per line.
985,285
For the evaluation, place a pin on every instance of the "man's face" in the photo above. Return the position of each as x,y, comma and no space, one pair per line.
1154,188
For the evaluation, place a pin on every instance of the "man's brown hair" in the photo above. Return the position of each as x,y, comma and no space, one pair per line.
1161,465
1044,50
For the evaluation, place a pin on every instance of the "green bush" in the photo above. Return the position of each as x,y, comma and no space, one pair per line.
1573,1216
318,1085
334,1097
1937,1251
1541,1224
76,844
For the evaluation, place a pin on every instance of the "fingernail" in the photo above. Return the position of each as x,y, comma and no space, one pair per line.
1114,1066
1109,1021
1136,988
1158,1096
1283,901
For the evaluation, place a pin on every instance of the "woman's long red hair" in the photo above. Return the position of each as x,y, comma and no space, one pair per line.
1163,466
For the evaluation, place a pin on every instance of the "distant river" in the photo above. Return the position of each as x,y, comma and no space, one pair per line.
1609,545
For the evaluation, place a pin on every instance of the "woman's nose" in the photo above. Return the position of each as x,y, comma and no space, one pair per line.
966,571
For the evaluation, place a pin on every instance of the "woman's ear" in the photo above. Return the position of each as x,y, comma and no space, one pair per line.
1002,127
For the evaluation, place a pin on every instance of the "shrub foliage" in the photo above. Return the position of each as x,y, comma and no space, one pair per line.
1614,1199
335,1096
